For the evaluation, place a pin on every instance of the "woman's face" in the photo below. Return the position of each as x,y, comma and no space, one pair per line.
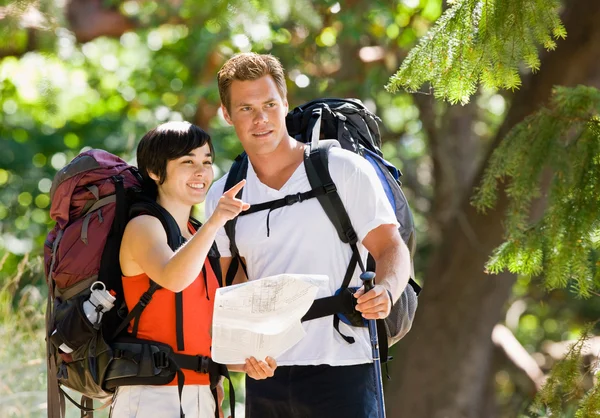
188,177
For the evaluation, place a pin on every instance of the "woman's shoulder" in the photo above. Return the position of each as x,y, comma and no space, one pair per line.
143,228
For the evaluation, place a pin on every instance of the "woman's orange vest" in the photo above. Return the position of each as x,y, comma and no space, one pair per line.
157,322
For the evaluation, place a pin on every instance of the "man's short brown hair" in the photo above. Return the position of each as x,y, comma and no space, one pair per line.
249,66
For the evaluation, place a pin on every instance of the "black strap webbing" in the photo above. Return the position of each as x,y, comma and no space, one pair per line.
205,277
110,272
316,163
86,405
232,270
83,405
146,206
179,320
204,364
137,310
237,173
289,200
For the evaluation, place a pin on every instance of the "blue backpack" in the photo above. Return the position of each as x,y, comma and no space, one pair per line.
349,124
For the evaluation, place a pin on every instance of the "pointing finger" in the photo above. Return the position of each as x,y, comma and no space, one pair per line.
235,189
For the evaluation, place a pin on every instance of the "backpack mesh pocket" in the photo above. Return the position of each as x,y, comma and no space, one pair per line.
85,367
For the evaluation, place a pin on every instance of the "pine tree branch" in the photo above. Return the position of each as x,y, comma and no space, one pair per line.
564,138
480,41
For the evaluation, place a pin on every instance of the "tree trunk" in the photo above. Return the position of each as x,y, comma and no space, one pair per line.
456,153
445,365
90,19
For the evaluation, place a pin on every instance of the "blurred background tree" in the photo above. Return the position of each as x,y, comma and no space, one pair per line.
92,73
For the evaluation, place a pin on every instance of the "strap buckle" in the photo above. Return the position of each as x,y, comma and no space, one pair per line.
117,354
203,364
351,236
293,198
145,299
330,188
161,360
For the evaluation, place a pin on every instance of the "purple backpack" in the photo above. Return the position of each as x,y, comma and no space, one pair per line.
90,204
93,197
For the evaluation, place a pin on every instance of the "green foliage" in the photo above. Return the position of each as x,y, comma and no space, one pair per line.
590,404
59,97
563,140
64,96
22,359
563,385
480,41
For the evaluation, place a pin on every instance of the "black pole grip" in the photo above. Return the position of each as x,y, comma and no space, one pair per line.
368,277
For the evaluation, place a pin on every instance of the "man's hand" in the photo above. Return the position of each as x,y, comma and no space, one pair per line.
229,206
375,304
259,370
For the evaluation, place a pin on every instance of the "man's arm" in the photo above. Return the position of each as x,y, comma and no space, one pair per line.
392,271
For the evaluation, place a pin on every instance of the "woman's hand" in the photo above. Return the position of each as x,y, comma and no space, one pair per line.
229,206
259,370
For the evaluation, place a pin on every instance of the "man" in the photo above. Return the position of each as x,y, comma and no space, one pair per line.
323,375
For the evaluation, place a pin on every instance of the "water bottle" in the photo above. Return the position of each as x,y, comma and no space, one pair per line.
100,301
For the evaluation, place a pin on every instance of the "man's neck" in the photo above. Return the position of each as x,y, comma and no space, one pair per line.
275,169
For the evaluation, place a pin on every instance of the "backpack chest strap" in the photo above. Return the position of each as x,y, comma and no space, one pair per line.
290,199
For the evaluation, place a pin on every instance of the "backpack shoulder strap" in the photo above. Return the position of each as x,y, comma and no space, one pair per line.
237,173
147,206
316,162
213,253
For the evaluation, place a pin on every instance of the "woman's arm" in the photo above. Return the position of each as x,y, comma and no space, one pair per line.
145,244
257,370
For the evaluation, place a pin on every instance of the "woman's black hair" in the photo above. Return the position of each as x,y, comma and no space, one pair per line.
167,142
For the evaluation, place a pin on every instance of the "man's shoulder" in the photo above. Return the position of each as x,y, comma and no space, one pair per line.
346,162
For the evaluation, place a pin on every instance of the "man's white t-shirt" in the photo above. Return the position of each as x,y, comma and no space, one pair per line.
302,240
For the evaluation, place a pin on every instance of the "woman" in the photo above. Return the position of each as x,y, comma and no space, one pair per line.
176,163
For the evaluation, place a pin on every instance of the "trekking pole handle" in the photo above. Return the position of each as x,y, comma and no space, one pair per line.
368,277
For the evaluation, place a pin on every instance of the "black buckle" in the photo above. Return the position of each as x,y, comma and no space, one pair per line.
293,198
203,364
161,360
119,354
145,299
330,188
351,236
117,179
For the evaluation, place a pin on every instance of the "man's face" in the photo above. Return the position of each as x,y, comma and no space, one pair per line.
257,112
